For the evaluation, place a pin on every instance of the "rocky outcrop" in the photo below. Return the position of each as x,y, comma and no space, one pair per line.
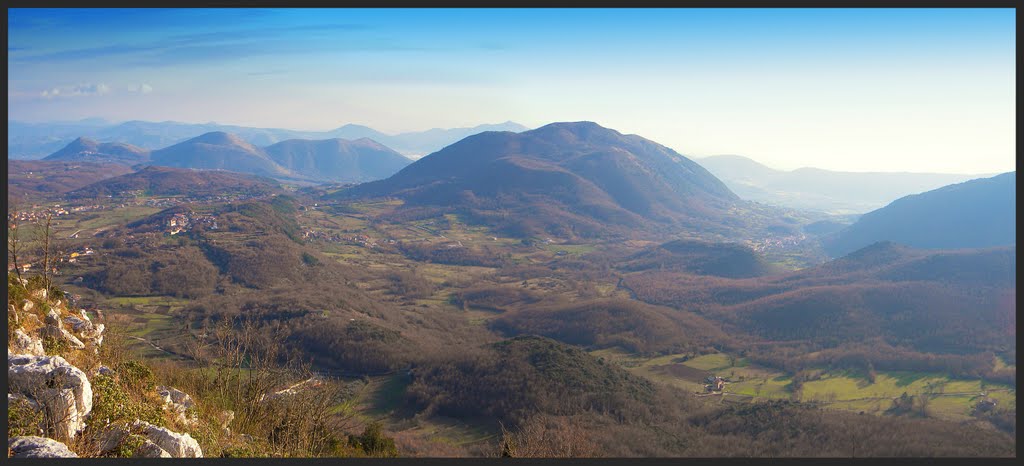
60,388
110,439
178,445
55,329
180,403
38,447
24,344
78,325
88,332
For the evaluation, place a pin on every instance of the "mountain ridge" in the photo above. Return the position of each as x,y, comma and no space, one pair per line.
571,175
820,189
972,214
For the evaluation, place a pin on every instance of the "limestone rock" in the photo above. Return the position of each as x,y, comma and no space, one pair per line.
53,319
178,445
179,402
104,370
62,334
60,388
24,344
150,450
110,439
95,334
27,305
13,398
78,324
38,447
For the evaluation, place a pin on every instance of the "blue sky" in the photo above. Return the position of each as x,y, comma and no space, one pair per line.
880,90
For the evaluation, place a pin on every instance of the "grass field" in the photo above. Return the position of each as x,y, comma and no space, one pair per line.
848,390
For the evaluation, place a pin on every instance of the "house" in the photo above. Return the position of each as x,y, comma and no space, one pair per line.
714,384
986,404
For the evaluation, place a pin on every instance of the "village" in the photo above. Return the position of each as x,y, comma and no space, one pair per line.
37,214
73,256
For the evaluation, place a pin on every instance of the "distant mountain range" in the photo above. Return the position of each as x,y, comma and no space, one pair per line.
36,140
338,159
567,179
416,144
330,160
220,151
974,214
823,190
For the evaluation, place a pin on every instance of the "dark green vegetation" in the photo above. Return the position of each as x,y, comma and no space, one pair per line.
700,258
513,379
975,214
468,323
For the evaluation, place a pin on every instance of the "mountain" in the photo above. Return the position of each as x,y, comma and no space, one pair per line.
417,143
36,140
567,179
338,160
170,181
88,150
352,132
219,150
817,189
161,134
974,214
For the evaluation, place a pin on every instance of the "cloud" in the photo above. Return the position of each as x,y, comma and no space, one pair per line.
143,89
76,91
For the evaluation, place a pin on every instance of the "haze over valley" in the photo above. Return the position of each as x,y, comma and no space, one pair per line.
592,282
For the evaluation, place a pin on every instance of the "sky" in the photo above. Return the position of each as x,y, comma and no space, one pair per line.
924,90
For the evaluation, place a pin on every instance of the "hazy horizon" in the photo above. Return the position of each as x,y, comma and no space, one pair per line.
882,90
